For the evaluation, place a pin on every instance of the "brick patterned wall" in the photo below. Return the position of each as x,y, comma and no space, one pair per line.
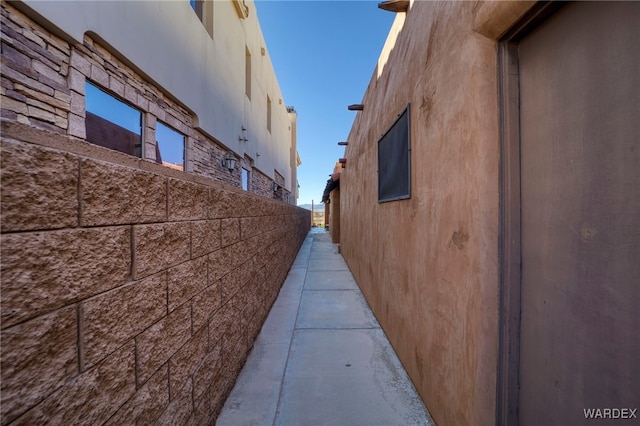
43,85
131,293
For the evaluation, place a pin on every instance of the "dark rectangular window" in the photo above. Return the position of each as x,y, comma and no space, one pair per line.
111,123
247,72
394,160
268,113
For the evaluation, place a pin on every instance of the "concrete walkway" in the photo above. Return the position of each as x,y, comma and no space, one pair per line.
321,357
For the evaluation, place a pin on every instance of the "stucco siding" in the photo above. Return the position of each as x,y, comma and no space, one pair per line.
428,266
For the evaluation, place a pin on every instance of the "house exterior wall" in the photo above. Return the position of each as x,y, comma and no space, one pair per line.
429,265
334,215
158,57
131,292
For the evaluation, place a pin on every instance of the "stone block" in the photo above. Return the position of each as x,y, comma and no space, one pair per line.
130,94
160,246
180,408
18,77
90,398
15,58
76,126
186,280
142,103
41,114
77,104
112,194
230,231
226,204
61,122
205,304
53,74
188,358
147,404
253,246
8,115
223,261
160,341
252,226
76,81
205,237
222,320
220,390
63,98
116,86
234,351
18,106
233,282
79,62
112,318
99,76
187,200
207,371
202,410
39,187
44,271
38,356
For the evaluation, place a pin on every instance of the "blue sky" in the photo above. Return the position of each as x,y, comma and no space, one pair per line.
324,54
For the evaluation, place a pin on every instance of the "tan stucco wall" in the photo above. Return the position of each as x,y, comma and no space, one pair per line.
334,215
428,266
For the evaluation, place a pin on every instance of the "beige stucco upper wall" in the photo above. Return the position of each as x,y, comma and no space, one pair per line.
167,43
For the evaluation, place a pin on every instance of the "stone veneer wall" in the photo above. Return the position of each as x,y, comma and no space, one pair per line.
131,292
43,85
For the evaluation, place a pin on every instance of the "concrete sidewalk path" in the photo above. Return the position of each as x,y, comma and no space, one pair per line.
321,357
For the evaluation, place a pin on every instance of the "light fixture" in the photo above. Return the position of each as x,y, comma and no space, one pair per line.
275,187
343,143
355,107
229,161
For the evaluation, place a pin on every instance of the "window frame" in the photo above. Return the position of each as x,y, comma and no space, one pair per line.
184,147
137,150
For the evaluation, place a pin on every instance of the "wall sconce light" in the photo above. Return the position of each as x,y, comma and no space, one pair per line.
275,187
229,161
343,143
356,107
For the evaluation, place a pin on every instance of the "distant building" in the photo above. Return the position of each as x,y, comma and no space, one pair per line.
186,84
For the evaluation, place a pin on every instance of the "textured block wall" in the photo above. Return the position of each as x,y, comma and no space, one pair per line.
130,293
